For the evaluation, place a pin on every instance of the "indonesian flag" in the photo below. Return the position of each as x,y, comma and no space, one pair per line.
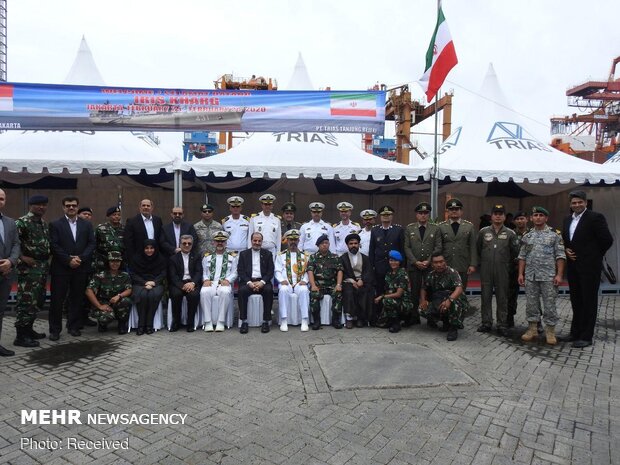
440,58
353,105
6,97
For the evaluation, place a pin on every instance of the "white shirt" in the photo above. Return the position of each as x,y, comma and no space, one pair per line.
148,224
177,234
341,231
186,274
311,231
271,229
353,258
238,230
73,226
365,241
281,271
574,223
231,272
256,264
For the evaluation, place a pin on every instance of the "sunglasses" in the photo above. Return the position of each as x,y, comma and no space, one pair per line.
186,243
70,205
207,211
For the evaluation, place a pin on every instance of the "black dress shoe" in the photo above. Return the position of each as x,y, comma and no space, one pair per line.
581,344
75,332
503,332
316,325
54,336
244,328
452,334
484,329
174,327
89,322
394,327
336,324
190,329
264,328
150,330
6,352
431,323
569,338
101,328
360,324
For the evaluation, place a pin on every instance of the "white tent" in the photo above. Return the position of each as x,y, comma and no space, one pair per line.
495,145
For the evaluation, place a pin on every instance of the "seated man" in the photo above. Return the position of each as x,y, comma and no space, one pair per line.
219,270
325,276
356,284
442,298
290,269
255,270
184,280
108,292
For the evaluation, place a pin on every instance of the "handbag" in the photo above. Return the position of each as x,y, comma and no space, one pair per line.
609,273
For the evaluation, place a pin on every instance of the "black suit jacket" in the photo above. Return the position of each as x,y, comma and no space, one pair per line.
135,234
591,240
381,242
244,266
63,246
367,273
169,240
176,269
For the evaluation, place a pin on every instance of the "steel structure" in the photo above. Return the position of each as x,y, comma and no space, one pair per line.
2,40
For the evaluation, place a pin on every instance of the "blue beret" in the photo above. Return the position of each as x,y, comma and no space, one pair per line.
395,255
37,200
322,237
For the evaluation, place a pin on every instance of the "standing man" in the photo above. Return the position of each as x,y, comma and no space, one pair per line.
205,229
9,254
185,280
268,225
325,276
143,226
86,213
255,270
521,228
73,243
368,221
290,270
32,270
109,237
497,248
236,225
422,239
172,232
383,238
541,268
458,241
356,283
344,228
288,221
587,238
314,229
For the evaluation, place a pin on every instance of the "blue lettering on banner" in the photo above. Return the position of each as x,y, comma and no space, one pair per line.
506,135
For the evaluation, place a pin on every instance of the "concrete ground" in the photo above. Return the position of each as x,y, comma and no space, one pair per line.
361,396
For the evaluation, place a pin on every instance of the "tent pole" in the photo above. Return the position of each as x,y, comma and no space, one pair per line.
434,182
178,191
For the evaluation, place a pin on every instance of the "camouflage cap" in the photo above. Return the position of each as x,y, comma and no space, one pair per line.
115,256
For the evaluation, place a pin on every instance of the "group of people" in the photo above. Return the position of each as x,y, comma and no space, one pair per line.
379,274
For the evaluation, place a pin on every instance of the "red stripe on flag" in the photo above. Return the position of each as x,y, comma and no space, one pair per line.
442,66
6,90
346,112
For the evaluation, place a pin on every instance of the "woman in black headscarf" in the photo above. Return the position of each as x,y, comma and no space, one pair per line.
148,271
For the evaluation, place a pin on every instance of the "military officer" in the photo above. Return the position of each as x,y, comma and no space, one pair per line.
344,228
368,220
422,239
86,213
521,228
542,259
325,277
497,248
32,270
383,238
108,292
219,272
288,221
267,224
314,229
458,241
290,272
109,237
236,225
205,229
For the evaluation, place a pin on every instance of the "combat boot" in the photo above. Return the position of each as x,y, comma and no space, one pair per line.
531,332
33,334
550,335
23,340
395,326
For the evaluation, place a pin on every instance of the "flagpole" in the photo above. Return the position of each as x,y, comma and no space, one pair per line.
434,180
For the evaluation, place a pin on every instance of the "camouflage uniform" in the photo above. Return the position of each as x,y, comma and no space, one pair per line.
440,286
325,268
205,233
31,280
513,293
540,250
109,239
105,285
397,308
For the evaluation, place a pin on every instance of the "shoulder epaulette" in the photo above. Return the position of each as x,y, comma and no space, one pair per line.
442,222
233,253
207,254
253,215
356,224
335,224
468,222
245,217
558,232
411,224
225,219
279,217
396,224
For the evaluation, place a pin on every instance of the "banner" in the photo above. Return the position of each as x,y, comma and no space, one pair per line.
76,108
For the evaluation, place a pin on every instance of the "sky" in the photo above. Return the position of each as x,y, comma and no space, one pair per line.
539,48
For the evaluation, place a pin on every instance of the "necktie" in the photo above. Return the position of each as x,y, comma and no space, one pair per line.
422,231
455,227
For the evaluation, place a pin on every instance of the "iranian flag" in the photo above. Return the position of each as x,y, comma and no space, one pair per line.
440,57
6,97
353,104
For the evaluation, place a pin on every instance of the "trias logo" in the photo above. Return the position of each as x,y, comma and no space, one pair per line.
51,417
450,141
505,135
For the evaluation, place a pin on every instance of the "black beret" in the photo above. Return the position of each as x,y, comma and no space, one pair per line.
85,209
322,237
111,210
521,213
38,199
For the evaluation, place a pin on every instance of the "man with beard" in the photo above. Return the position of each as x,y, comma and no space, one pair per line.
236,225
344,228
356,283
288,221
325,276
172,232
368,221
109,237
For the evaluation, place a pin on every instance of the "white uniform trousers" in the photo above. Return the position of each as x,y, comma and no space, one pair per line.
303,298
206,299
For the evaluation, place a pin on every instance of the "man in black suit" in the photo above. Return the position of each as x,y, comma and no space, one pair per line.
255,269
9,254
172,232
356,283
383,238
185,280
143,226
72,242
586,239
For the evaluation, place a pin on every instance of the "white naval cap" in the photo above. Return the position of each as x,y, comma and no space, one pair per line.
235,200
367,214
344,206
317,206
267,198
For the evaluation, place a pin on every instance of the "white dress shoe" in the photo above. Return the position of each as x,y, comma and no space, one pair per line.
209,327
284,327
304,325
219,327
